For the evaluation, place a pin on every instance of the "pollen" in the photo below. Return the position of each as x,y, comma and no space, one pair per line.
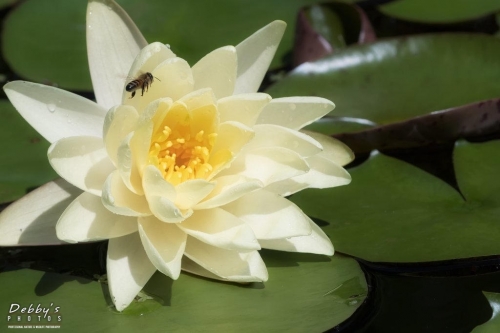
182,145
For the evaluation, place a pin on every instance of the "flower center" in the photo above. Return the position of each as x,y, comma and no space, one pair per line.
181,146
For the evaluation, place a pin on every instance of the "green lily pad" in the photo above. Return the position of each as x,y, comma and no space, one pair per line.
443,11
6,3
44,40
306,293
23,155
396,79
492,325
394,212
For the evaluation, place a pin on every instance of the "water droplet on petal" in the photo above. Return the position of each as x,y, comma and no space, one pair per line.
51,107
292,106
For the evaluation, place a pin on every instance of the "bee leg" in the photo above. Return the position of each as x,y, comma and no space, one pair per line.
133,94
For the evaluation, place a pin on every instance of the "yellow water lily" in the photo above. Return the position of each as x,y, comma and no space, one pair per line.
187,170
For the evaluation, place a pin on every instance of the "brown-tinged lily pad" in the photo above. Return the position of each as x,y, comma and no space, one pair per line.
394,212
481,119
328,27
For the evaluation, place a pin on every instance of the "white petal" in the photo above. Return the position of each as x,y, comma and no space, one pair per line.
229,265
254,56
86,219
147,60
32,219
268,165
120,200
82,161
128,269
231,137
243,108
333,149
164,244
295,112
191,267
270,215
323,174
190,192
227,189
278,136
317,242
161,196
119,122
55,113
199,98
173,78
217,70
113,42
221,229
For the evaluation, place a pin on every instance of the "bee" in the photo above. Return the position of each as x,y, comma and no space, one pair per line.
143,82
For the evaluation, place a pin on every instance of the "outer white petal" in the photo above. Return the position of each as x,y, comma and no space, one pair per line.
323,174
191,267
295,112
120,200
128,267
32,219
270,215
317,242
113,42
333,149
82,161
268,165
254,56
119,122
227,189
164,244
229,265
217,70
221,229
173,78
243,108
190,192
161,197
267,135
86,219
55,113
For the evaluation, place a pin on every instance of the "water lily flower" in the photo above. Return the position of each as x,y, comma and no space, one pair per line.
189,173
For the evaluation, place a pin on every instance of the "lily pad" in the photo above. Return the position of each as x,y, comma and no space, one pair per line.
492,325
304,293
396,79
443,11
474,120
44,40
23,155
327,28
394,212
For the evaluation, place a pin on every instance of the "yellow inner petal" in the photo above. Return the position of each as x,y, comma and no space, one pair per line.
181,145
